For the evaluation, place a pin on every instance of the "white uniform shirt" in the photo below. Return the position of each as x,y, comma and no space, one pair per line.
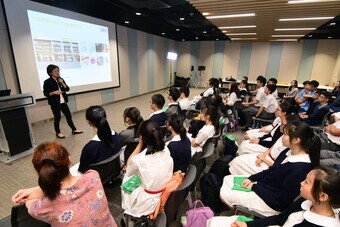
334,139
184,103
270,104
260,96
232,99
209,91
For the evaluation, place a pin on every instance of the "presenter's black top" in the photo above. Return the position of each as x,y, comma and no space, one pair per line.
51,85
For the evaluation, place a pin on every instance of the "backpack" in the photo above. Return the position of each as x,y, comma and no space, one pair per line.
230,146
198,216
210,185
221,166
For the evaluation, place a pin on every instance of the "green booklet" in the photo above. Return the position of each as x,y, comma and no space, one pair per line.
165,108
238,184
130,185
242,218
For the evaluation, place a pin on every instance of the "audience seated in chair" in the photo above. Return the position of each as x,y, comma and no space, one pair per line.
50,201
251,108
153,165
173,107
233,96
156,104
316,207
308,95
273,81
133,119
292,91
263,142
184,101
210,116
273,190
103,145
179,146
243,88
320,110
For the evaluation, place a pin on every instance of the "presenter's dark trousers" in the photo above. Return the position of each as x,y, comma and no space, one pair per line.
57,109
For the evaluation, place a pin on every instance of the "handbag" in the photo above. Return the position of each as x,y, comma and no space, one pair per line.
198,216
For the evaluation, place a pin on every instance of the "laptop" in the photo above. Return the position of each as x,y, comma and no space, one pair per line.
5,92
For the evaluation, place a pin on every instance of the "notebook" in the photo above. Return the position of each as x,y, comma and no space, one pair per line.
131,184
238,184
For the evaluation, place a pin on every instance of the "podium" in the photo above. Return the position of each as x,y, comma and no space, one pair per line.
16,135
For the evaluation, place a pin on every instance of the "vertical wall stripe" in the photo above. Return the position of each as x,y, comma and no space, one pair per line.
166,63
194,60
107,95
243,65
133,61
2,79
274,59
72,103
175,65
150,61
307,59
218,59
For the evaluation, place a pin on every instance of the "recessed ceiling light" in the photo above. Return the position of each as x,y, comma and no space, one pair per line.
332,24
217,39
177,29
288,35
231,34
243,38
196,37
243,26
126,22
183,40
205,14
283,40
224,31
231,15
306,18
182,18
163,33
309,1
294,29
204,32
138,14
310,36
329,37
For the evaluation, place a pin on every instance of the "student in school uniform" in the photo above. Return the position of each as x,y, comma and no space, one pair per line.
179,146
273,81
173,107
156,104
133,119
273,190
233,95
184,101
316,207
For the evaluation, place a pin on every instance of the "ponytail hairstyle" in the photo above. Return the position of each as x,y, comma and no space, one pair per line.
234,88
134,114
213,115
327,181
51,161
309,141
152,136
97,117
176,123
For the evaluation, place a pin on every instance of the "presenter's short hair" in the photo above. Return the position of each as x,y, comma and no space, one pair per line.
50,68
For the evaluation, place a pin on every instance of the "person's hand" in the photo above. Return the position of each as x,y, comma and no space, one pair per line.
247,183
238,224
60,80
254,141
329,128
244,104
57,92
258,162
22,195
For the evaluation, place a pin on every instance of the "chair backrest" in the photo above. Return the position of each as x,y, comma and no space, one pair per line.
108,169
200,165
208,149
21,218
130,147
160,220
177,197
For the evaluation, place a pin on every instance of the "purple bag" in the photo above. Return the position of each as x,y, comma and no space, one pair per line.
198,217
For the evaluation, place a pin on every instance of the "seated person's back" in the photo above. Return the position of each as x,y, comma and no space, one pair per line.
103,145
179,146
156,104
133,119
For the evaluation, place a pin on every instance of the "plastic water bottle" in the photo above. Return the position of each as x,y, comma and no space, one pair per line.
184,221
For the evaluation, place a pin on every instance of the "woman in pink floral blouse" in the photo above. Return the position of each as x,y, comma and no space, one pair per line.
62,199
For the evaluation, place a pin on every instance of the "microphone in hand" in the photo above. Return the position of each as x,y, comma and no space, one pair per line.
60,80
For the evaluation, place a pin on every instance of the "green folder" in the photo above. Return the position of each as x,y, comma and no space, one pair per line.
238,184
165,108
242,218
130,185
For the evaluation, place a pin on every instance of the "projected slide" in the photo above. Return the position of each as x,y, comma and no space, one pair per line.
80,49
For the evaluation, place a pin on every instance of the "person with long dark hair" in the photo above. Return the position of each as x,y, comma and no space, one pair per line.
273,190
234,95
104,144
154,167
179,146
62,199
292,90
133,119
55,89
